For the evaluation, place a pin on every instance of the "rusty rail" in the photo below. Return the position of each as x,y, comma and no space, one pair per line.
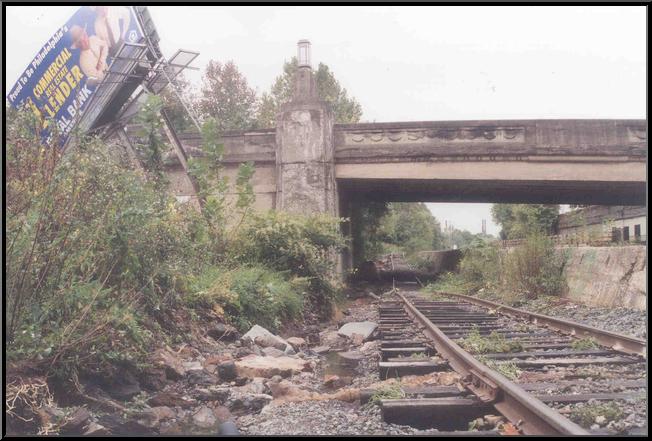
524,411
618,342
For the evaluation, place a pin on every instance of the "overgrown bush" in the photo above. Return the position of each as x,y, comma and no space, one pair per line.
304,246
99,257
91,250
480,266
535,268
249,295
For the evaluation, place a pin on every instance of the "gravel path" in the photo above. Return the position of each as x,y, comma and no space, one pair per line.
622,320
321,418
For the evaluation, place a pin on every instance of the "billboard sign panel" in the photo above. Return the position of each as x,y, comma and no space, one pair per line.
60,81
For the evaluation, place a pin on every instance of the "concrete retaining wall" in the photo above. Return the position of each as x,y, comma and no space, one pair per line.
607,276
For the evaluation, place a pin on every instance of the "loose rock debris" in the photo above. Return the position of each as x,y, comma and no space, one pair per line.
195,389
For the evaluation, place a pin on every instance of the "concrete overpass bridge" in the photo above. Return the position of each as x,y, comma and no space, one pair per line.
308,164
514,161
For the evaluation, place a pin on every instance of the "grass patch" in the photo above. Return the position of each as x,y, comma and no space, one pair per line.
448,282
494,342
584,344
435,295
506,368
392,391
586,415
250,295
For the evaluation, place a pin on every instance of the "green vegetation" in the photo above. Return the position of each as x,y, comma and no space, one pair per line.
584,344
381,228
366,236
103,265
527,271
226,97
249,295
447,282
507,368
346,109
520,220
535,267
480,267
392,391
493,343
301,246
587,414
410,228
433,294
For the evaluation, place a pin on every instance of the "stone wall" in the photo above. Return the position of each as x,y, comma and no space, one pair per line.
607,276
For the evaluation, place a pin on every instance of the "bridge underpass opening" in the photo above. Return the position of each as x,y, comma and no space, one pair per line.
494,191
361,199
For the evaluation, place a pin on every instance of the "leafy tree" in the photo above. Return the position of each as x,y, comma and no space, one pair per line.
381,227
519,220
411,227
154,146
346,109
226,96
367,241
174,108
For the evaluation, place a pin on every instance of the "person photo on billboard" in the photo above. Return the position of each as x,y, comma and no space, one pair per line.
111,25
92,58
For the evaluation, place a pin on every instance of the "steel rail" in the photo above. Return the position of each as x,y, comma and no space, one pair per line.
619,342
523,410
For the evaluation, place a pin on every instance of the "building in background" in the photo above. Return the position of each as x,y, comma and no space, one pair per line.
619,223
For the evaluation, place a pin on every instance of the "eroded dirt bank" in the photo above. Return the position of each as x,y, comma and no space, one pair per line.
306,380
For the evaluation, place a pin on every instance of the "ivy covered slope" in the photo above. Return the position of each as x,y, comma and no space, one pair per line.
103,266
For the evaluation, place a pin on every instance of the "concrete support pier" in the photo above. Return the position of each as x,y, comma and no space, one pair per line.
305,160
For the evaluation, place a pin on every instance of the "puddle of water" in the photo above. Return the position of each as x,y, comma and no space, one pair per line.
188,428
336,365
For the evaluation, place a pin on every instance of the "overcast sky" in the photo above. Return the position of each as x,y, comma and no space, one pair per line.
412,63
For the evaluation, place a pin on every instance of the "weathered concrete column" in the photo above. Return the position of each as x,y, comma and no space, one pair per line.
304,141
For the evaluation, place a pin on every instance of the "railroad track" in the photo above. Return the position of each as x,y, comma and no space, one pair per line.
551,374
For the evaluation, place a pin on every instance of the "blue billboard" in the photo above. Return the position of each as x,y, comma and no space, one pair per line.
61,79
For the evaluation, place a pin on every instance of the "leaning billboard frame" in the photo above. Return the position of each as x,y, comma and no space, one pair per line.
62,83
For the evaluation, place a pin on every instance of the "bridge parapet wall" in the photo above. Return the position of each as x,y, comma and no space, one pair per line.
240,146
507,139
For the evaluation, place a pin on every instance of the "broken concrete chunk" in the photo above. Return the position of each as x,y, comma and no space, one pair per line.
296,342
332,339
248,403
269,341
204,417
95,429
363,328
192,366
169,399
350,358
212,393
321,349
262,337
256,366
173,365
272,352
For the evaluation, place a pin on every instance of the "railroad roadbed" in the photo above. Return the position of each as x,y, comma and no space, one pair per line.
520,373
